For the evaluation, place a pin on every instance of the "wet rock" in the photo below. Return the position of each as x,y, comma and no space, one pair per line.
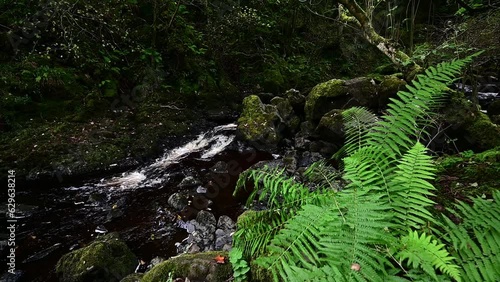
331,127
9,277
363,92
195,267
220,167
189,182
177,201
307,129
260,124
97,198
223,235
324,148
106,259
201,190
155,261
202,237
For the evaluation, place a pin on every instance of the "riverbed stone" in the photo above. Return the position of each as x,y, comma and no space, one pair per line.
189,181
107,259
195,267
177,201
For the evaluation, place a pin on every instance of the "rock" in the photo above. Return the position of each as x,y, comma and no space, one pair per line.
324,148
135,277
296,100
155,261
206,218
309,158
189,182
301,142
388,88
260,124
195,267
325,97
307,129
363,92
201,190
331,127
290,160
226,223
9,277
473,127
220,167
288,116
177,201
106,259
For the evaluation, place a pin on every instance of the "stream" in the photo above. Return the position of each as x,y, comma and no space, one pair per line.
55,220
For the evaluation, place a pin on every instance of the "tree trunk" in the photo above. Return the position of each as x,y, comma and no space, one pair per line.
398,57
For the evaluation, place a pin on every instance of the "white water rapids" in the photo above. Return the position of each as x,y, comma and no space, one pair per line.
208,144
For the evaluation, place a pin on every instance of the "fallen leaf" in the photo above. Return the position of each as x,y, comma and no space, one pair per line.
220,259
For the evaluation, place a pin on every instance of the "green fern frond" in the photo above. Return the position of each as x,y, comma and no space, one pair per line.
422,251
410,189
476,241
357,123
320,174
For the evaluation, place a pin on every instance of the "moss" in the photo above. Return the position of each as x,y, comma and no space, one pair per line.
257,121
259,274
314,107
388,88
198,267
477,127
462,176
108,258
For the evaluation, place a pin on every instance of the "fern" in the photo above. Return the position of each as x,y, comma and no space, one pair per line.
476,241
345,234
422,251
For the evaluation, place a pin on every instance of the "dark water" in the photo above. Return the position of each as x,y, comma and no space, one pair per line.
54,220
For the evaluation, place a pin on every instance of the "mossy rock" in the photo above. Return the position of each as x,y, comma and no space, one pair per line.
287,113
107,259
475,126
195,267
135,277
331,127
259,123
388,88
320,99
467,175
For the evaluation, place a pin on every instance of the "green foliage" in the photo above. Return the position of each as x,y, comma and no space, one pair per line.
475,241
240,266
329,233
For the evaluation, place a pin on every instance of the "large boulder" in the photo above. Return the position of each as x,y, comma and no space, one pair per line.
286,112
107,259
259,123
342,94
195,267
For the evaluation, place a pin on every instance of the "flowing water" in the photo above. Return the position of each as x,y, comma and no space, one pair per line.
55,220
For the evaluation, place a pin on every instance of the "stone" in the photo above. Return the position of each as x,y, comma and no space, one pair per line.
188,182
220,167
388,88
195,267
296,100
226,223
106,259
325,97
260,124
177,201
331,127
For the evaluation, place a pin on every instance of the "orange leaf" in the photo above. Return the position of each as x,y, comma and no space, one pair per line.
220,259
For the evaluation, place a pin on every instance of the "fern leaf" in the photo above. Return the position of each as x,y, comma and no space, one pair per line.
422,251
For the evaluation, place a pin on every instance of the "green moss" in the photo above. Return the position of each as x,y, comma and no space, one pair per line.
257,121
315,99
198,267
462,176
259,274
107,256
478,128
331,126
